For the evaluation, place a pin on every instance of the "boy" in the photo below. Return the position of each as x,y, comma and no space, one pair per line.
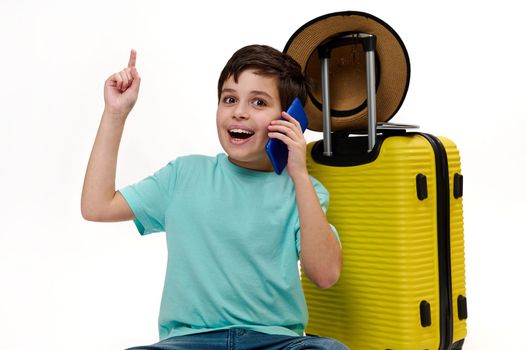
235,230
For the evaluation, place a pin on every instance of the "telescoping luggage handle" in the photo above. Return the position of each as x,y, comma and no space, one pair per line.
368,41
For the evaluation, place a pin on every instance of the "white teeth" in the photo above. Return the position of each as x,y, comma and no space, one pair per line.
241,131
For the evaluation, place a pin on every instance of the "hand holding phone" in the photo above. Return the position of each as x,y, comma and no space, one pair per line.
276,149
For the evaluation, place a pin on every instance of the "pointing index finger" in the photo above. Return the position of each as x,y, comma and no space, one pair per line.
133,59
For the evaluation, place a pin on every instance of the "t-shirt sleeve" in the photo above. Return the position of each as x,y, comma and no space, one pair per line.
149,199
323,197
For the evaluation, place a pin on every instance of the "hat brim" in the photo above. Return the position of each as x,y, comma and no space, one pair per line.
348,92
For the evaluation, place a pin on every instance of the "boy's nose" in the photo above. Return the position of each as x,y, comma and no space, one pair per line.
240,113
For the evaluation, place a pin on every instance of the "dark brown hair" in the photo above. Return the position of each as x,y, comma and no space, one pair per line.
268,61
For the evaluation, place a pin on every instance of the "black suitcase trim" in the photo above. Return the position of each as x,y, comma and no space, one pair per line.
444,241
347,150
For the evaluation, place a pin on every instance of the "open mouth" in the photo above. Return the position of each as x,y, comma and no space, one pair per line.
240,134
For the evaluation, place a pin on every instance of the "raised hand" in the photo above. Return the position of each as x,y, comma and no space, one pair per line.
100,201
122,89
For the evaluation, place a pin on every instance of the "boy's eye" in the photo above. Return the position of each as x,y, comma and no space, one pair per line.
229,100
259,102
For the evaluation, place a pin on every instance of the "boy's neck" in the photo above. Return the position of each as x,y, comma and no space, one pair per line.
262,167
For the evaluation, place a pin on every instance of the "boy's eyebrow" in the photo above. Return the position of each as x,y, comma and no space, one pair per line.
227,90
253,92
258,92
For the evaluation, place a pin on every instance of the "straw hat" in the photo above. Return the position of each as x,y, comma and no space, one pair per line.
347,69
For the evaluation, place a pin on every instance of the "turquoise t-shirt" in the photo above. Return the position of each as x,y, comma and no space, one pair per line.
233,246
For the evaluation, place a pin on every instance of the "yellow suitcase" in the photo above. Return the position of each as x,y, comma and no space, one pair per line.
399,216
396,201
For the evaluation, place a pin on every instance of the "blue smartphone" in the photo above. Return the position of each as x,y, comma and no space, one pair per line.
276,149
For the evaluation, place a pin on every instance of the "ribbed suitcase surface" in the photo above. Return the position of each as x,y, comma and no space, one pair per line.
391,250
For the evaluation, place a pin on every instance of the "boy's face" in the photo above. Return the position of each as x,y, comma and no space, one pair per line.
244,113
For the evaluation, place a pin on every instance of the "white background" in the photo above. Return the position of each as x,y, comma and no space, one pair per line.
70,284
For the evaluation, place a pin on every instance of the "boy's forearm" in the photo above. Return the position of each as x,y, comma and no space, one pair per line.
321,256
99,181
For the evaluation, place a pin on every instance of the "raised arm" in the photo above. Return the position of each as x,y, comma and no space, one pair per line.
100,201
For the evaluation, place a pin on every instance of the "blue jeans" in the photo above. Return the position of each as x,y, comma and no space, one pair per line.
242,339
